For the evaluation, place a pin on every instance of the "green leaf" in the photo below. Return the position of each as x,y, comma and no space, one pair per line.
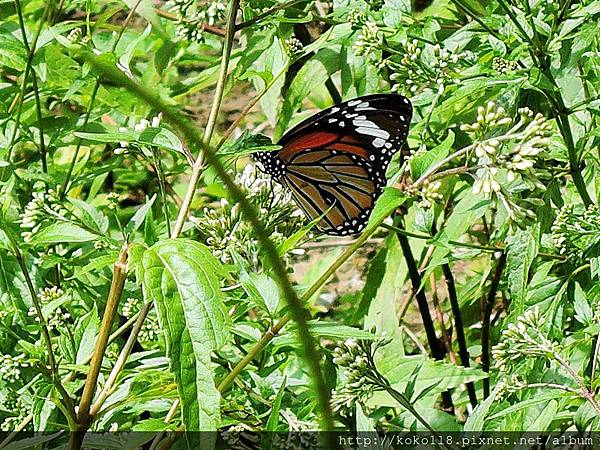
262,290
521,250
273,420
86,333
161,137
182,277
583,310
312,75
247,144
366,430
120,136
12,51
470,208
475,421
377,270
545,417
399,371
138,217
387,203
330,330
33,442
421,161
525,404
63,232
90,216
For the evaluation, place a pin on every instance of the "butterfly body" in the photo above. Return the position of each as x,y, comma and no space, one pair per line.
334,162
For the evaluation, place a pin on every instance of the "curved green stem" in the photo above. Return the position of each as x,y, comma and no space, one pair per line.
297,311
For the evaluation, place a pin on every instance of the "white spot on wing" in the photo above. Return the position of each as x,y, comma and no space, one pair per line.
377,132
378,142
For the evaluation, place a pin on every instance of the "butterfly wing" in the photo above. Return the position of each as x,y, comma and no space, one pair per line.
334,162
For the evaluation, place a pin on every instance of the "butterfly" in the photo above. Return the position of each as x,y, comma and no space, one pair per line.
334,162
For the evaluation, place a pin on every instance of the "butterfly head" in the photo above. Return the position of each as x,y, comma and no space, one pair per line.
269,164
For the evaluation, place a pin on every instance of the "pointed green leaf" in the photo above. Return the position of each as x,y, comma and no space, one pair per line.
182,277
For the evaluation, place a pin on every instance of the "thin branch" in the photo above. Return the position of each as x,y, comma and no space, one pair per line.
205,27
114,295
307,295
54,376
212,120
435,346
19,99
249,106
121,361
463,351
485,322
168,417
36,91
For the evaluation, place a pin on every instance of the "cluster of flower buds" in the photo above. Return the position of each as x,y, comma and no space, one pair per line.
369,41
224,229
131,307
510,384
429,194
432,67
192,15
358,387
361,375
503,66
57,319
150,329
489,119
293,47
49,294
10,367
113,200
15,404
503,156
524,339
124,146
44,206
575,232
357,18
76,36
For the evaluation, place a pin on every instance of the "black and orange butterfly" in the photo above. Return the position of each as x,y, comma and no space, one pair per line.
334,162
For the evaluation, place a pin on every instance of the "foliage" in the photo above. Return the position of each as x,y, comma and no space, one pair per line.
153,279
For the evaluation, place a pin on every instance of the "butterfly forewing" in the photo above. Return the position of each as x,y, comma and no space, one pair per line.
334,162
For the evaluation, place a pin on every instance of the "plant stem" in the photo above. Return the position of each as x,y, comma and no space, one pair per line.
511,14
54,376
20,96
558,108
463,351
205,27
312,290
121,360
485,322
36,92
595,354
168,417
212,120
297,311
435,346
468,12
114,295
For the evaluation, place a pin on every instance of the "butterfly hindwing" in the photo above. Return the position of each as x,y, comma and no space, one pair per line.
334,162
